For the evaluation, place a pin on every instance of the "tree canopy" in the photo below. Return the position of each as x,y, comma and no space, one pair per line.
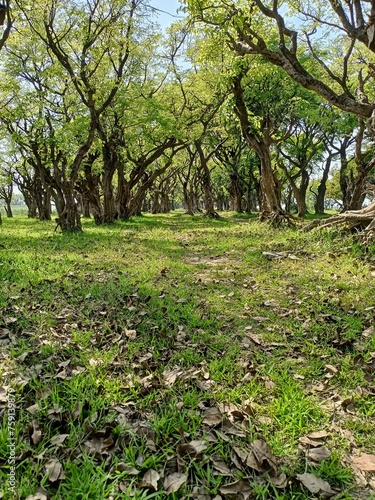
100,107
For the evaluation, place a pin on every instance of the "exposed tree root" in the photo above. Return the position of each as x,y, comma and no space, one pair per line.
362,220
212,215
277,219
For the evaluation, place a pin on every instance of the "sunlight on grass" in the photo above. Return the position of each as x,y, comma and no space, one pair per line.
124,337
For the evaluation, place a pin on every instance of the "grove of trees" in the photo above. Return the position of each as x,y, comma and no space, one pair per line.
244,106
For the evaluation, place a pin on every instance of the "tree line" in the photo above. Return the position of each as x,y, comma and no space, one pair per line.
232,109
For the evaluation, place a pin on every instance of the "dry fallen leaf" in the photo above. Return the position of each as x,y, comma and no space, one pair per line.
212,417
131,334
59,439
239,487
36,436
54,470
280,481
263,454
170,375
274,255
316,485
3,395
252,337
123,467
221,467
258,458
173,482
150,480
41,494
365,462
314,443
193,448
33,409
318,435
318,454
98,445
331,368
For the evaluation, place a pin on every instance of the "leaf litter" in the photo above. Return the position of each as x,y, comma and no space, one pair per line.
225,423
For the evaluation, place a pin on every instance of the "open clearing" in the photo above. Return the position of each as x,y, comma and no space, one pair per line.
168,357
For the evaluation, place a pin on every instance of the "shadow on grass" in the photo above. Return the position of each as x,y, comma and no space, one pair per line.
100,336
21,233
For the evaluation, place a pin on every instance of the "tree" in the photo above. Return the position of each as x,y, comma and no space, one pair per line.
265,105
92,43
259,29
297,155
6,189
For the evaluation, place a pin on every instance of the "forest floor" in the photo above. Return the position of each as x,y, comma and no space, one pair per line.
168,357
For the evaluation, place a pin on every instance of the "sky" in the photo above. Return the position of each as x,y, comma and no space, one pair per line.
169,8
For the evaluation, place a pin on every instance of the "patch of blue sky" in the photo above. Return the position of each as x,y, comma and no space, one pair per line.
166,11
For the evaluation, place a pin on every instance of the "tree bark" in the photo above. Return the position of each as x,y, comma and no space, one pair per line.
270,186
235,192
31,208
43,202
89,189
8,209
110,165
6,194
85,208
319,205
206,183
299,192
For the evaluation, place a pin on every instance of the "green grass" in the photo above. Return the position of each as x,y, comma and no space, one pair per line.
124,335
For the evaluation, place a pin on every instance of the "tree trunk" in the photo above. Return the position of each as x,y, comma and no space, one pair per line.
123,195
270,186
108,198
89,189
237,202
42,198
357,192
248,202
30,202
165,204
300,193
31,209
208,196
235,192
288,199
220,203
136,202
155,203
343,177
206,183
6,193
85,208
67,209
8,209
44,209
320,197
188,199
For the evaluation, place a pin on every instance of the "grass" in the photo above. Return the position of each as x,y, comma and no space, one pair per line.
119,339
